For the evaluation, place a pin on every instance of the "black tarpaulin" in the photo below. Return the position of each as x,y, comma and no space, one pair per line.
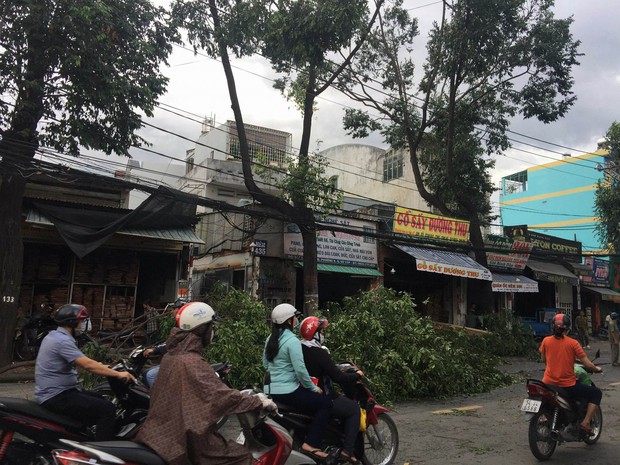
85,228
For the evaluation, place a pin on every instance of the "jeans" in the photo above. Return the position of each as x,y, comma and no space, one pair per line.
318,405
87,407
150,375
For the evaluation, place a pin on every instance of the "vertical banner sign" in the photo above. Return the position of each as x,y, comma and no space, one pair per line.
421,224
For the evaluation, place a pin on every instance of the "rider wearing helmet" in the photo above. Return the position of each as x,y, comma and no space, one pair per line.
288,380
614,337
56,382
559,352
188,398
321,366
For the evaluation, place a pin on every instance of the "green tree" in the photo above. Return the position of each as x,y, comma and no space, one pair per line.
607,201
72,74
486,62
298,38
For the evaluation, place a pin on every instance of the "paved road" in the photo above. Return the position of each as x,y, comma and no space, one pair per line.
494,431
490,429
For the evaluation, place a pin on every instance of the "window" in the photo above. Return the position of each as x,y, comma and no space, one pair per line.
514,183
189,165
369,239
393,166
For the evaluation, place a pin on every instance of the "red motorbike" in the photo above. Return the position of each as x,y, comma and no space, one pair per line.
269,443
377,445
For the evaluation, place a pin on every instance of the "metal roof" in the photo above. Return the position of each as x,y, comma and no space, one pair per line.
354,270
503,282
167,234
444,262
552,272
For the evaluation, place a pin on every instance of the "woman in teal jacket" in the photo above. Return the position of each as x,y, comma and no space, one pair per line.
289,381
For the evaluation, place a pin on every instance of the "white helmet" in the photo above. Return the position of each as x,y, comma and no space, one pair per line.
283,312
194,314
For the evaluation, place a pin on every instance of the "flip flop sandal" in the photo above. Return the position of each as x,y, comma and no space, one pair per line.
313,453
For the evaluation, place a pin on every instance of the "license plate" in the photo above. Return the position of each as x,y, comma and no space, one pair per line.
531,405
240,439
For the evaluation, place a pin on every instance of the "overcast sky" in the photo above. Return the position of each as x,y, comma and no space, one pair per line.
197,86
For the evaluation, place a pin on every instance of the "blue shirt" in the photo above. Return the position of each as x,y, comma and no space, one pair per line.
287,370
55,370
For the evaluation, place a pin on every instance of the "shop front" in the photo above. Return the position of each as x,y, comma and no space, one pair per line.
438,276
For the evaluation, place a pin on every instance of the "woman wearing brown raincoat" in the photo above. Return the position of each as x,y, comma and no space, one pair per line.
188,399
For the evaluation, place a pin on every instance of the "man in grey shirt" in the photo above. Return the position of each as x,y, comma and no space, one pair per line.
56,383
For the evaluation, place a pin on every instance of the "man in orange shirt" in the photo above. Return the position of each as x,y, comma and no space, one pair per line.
559,352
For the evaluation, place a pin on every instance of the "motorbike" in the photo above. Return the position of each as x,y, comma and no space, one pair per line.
268,442
29,337
135,364
554,417
29,432
377,445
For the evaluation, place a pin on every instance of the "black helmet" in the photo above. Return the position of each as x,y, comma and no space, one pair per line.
70,315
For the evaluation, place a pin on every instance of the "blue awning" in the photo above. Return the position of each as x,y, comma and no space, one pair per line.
444,262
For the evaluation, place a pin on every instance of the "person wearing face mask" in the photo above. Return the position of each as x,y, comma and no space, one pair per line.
55,375
288,380
189,398
322,367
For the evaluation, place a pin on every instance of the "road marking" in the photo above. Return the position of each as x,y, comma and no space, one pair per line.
467,408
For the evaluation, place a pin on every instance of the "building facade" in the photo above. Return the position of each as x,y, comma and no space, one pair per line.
556,198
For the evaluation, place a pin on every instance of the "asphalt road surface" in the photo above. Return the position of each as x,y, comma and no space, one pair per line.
484,429
490,428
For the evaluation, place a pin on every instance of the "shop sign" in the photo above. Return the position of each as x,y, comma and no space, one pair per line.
516,256
571,250
514,287
336,247
453,270
599,275
421,224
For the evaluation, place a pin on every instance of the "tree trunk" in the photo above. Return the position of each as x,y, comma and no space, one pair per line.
11,259
485,298
311,278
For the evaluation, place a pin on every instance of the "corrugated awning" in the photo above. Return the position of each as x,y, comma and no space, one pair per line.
513,283
606,294
167,234
353,270
552,272
444,262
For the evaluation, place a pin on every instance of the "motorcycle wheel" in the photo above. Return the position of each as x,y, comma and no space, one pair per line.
23,350
104,390
597,427
539,436
381,442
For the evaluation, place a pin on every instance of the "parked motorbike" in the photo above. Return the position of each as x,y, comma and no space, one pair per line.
554,418
28,339
268,442
378,445
29,432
